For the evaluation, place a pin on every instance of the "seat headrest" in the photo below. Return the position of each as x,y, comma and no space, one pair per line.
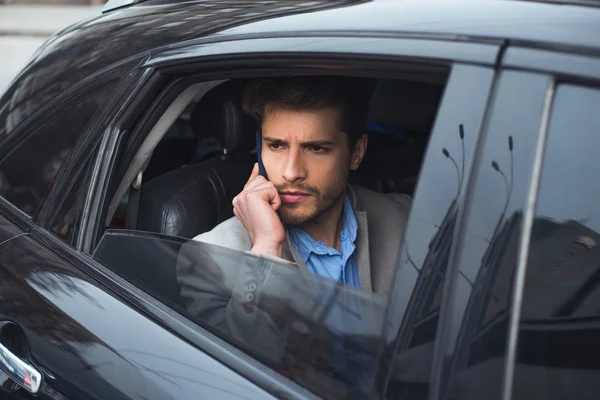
219,115
405,104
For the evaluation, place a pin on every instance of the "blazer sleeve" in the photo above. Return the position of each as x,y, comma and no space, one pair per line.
229,291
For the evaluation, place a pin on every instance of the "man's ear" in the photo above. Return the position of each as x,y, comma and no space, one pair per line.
360,149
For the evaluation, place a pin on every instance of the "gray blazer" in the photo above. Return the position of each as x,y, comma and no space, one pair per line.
381,222
255,299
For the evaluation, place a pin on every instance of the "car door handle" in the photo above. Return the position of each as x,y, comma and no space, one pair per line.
22,373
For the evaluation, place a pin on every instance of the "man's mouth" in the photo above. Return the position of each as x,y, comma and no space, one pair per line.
293,197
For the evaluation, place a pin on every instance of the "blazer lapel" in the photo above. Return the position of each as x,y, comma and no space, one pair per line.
363,258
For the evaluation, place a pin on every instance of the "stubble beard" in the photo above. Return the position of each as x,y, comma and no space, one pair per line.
324,203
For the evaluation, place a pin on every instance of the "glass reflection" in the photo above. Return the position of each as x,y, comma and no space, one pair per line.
473,356
93,344
558,350
31,166
316,331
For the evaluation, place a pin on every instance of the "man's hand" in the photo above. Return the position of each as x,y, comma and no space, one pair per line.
256,207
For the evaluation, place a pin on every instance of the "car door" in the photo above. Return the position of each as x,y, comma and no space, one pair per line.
413,313
64,333
33,157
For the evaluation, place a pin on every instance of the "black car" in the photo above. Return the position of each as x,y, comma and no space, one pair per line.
123,138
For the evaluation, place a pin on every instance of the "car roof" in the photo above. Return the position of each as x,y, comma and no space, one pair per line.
125,35
541,24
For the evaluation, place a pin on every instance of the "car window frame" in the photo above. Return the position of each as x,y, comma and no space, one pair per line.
211,54
468,53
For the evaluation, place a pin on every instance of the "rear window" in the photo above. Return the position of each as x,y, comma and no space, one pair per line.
28,170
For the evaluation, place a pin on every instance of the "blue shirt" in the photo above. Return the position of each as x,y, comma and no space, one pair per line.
327,261
340,266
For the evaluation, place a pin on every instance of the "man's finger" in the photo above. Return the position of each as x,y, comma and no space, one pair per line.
257,182
272,195
276,201
253,175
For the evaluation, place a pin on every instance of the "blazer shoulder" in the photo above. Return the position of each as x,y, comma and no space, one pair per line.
385,204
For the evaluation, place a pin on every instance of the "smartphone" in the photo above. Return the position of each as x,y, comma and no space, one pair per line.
261,167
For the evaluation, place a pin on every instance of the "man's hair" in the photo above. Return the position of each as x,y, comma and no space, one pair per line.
348,96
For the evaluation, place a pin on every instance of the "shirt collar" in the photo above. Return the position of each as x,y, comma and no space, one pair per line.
305,244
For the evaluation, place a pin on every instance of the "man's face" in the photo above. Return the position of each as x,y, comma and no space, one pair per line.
308,160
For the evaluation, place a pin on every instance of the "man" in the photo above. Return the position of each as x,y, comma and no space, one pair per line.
303,213
304,210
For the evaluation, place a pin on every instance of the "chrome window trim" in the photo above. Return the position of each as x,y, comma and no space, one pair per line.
524,240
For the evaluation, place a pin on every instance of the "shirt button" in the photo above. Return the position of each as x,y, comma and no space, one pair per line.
252,286
249,297
248,308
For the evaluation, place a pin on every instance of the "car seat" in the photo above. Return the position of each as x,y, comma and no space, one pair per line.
195,198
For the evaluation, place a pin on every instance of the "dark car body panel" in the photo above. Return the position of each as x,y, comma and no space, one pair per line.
96,345
540,25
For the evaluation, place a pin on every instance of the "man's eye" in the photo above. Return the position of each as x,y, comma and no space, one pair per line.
318,149
275,146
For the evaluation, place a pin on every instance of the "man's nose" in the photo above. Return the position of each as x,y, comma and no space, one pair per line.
294,169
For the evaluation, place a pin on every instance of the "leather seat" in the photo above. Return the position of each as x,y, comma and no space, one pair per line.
394,156
195,198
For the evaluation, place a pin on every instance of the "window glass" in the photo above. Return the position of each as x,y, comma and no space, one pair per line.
415,303
320,333
476,332
27,172
558,352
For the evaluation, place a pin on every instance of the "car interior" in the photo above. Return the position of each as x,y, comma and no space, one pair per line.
200,153
205,156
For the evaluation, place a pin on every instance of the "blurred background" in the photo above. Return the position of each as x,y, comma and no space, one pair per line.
26,24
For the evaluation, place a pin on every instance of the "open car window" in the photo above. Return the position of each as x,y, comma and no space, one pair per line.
322,334
325,336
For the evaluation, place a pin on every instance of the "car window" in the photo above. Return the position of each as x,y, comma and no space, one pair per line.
329,342
306,341
28,170
416,302
558,354
474,351
322,334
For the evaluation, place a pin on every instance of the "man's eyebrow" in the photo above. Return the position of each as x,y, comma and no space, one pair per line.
269,139
318,143
305,144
